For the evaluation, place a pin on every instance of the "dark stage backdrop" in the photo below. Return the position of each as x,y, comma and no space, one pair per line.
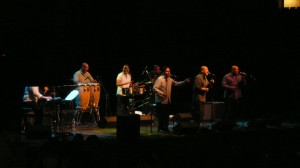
44,43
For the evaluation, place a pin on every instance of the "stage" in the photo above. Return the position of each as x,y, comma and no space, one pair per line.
256,143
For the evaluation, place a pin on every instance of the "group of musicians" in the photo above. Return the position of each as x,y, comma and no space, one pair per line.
160,83
35,96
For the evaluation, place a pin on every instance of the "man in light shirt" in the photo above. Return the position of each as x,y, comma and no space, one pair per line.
123,82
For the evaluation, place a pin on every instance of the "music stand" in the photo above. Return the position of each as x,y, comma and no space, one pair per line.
70,97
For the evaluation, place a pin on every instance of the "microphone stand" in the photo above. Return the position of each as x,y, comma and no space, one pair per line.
212,99
149,95
106,99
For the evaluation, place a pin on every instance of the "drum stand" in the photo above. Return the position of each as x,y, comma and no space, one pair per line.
93,110
131,106
147,101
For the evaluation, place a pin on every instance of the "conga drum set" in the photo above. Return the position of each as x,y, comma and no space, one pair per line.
87,102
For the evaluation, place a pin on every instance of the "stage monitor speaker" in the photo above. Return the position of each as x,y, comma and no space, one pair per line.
213,110
185,128
128,127
183,117
184,124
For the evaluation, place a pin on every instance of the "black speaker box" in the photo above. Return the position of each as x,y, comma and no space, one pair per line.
185,128
128,127
213,111
183,117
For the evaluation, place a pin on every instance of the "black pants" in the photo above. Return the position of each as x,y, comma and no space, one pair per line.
163,112
198,111
232,110
122,105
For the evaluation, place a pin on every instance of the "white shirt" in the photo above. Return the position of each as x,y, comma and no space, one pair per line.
123,79
80,77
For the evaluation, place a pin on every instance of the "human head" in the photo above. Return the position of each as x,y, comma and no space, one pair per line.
167,71
46,88
156,69
235,70
204,70
126,69
84,67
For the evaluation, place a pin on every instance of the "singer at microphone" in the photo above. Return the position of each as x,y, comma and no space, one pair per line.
209,73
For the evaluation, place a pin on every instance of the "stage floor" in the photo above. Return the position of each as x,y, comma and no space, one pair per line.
149,131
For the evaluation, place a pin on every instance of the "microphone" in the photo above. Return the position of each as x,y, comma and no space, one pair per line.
211,74
173,76
144,70
97,79
243,73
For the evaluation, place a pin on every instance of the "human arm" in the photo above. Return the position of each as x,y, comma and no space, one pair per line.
227,83
180,83
36,93
199,84
76,78
159,89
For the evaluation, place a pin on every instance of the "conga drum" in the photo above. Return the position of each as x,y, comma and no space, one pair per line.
95,94
84,96
141,90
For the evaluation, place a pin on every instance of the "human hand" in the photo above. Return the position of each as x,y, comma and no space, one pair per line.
212,81
164,95
48,98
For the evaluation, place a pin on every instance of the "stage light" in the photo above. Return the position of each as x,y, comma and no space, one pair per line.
291,3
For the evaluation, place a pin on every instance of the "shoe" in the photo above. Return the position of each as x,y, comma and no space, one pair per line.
164,131
161,131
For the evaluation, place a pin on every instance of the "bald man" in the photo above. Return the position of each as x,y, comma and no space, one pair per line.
233,82
200,88
82,76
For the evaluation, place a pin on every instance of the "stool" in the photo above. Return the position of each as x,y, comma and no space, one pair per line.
28,117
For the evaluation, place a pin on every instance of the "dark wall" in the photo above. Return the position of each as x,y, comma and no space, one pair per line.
44,43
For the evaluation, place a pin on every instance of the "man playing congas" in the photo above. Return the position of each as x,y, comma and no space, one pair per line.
89,93
81,78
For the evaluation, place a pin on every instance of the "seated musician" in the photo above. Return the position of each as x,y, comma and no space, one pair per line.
82,76
31,98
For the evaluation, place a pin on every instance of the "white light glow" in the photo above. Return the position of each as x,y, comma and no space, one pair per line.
72,95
